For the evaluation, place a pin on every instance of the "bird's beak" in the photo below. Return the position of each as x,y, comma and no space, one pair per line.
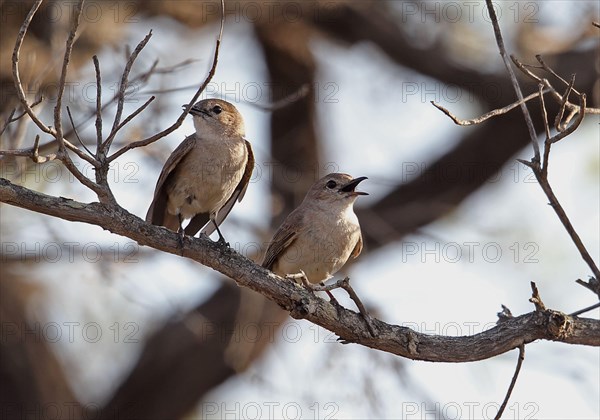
194,111
350,186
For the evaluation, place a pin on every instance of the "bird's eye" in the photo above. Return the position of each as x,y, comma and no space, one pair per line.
217,109
331,184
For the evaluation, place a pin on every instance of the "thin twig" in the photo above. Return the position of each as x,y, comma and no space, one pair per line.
513,79
186,109
593,285
572,112
98,104
345,284
300,93
141,77
547,144
66,160
17,75
512,382
121,93
563,104
541,175
536,299
584,310
32,152
63,76
81,154
75,131
575,125
486,116
11,118
504,315
35,152
549,69
562,215
557,96
136,112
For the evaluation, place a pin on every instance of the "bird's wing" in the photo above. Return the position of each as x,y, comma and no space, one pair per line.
283,238
358,247
237,195
158,207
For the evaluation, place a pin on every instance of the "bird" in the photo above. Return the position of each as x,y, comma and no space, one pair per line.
321,234
206,174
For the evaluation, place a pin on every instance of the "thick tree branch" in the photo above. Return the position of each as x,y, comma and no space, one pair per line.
348,325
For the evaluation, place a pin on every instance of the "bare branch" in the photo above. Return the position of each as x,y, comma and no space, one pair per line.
547,143
98,104
536,299
295,96
562,215
91,160
345,284
63,76
557,96
181,118
549,69
11,118
593,284
135,113
76,133
584,310
66,160
488,115
565,100
348,325
121,94
513,79
17,75
32,153
561,135
512,382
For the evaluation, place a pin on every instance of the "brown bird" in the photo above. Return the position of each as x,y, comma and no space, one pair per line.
206,174
321,234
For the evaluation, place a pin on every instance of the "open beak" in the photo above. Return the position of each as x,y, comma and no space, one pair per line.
350,186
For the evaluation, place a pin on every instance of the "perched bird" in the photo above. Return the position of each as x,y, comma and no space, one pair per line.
206,174
319,236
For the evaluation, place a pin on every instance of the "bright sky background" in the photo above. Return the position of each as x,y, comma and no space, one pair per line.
430,282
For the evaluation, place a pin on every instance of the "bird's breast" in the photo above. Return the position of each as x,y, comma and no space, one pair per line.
321,248
206,178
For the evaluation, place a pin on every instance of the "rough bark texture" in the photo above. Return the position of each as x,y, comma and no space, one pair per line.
348,325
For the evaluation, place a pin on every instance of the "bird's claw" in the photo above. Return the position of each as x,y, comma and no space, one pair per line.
299,276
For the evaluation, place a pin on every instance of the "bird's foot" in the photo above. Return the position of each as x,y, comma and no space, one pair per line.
222,243
332,298
299,276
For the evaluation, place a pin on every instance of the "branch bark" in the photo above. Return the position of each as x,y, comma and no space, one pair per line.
302,304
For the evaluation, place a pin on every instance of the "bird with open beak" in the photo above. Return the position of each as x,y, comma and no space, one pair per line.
321,234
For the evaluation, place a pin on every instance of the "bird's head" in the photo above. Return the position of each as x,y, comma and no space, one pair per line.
218,116
336,189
